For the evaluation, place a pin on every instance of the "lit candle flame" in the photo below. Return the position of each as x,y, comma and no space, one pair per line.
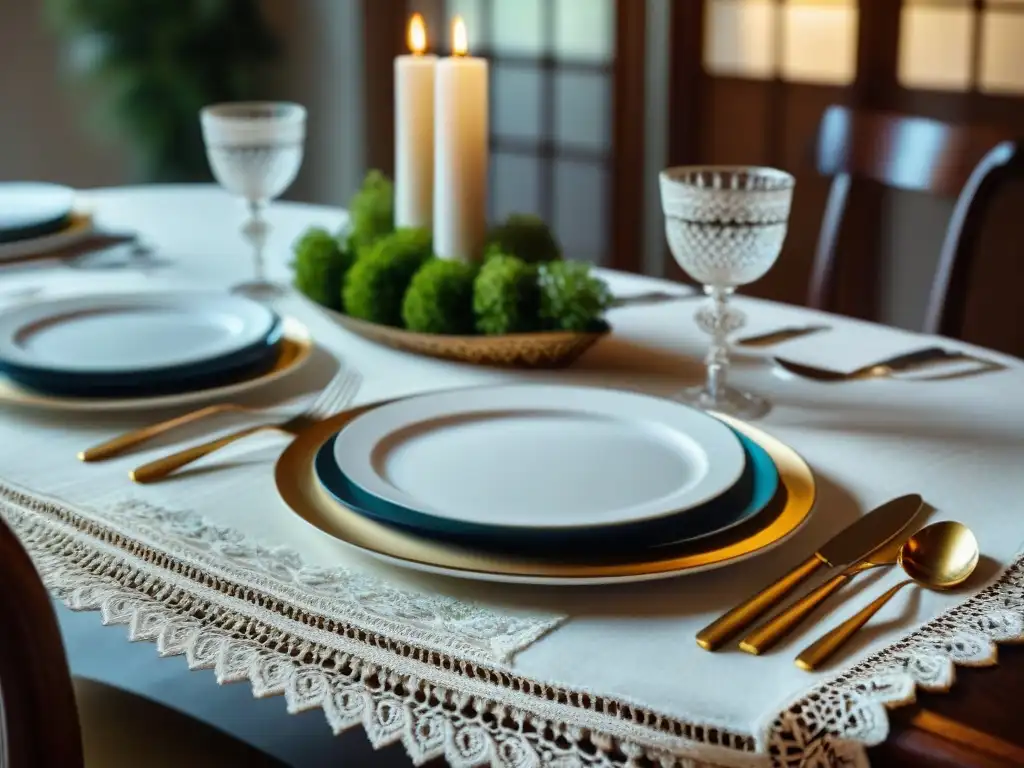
417,35
460,39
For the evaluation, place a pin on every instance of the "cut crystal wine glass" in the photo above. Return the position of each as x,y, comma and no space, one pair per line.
725,226
255,151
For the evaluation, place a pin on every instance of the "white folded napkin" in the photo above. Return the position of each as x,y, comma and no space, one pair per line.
848,344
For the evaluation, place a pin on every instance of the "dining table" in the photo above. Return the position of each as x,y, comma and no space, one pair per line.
176,589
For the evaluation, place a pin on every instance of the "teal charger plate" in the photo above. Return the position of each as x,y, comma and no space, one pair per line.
756,487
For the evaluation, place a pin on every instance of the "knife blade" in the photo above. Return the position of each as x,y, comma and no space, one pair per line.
779,626
874,529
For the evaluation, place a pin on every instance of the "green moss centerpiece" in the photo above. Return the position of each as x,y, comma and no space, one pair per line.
523,306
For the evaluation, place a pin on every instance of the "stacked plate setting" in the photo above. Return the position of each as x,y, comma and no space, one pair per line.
546,474
38,218
137,345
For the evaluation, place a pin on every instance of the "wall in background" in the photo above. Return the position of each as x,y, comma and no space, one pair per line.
44,133
321,67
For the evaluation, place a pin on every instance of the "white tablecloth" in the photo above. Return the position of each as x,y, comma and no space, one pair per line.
959,442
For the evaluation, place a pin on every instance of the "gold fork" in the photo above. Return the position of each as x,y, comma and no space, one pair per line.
884,368
338,393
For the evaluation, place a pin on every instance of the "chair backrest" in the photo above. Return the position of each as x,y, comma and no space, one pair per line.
922,155
40,727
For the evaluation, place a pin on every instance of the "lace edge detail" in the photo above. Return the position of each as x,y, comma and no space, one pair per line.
283,575
299,584
832,725
430,719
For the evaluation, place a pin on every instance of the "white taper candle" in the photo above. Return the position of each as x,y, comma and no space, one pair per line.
461,153
414,131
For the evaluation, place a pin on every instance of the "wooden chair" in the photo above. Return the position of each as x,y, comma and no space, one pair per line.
967,163
48,720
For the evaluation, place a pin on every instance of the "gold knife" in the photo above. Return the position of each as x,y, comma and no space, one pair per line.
776,628
118,445
874,529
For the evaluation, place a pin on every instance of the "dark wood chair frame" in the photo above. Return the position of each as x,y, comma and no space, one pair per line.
39,723
968,163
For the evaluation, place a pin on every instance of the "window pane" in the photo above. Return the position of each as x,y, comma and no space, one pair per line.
515,185
935,47
582,110
739,39
585,29
517,27
820,41
515,100
1002,52
581,209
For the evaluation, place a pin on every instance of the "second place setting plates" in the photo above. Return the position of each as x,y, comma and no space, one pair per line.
148,346
38,218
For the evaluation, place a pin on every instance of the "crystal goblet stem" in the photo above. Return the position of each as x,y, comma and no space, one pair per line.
255,231
719,323
719,319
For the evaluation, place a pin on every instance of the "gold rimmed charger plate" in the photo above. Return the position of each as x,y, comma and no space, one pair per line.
787,512
547,349
295,351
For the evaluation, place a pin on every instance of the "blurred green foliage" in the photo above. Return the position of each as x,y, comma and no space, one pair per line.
392,277
321,262
156,63
525,236
440,298
375,286
371,211
571,297
506,297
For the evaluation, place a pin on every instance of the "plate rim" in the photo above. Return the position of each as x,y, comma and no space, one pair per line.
726,441
37,312
297,487
296,340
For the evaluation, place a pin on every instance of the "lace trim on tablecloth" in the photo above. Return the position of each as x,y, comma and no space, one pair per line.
437,621
832,726
438,703
368,654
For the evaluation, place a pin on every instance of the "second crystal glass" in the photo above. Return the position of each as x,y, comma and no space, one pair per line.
255,151
725,226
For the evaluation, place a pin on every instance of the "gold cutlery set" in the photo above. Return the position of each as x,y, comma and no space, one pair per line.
939,556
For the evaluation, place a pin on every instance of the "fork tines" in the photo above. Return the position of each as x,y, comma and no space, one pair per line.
336,395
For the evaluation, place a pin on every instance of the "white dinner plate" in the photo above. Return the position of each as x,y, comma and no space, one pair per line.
542,457
111,334
295,351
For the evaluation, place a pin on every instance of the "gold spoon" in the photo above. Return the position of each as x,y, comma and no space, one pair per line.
939,556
